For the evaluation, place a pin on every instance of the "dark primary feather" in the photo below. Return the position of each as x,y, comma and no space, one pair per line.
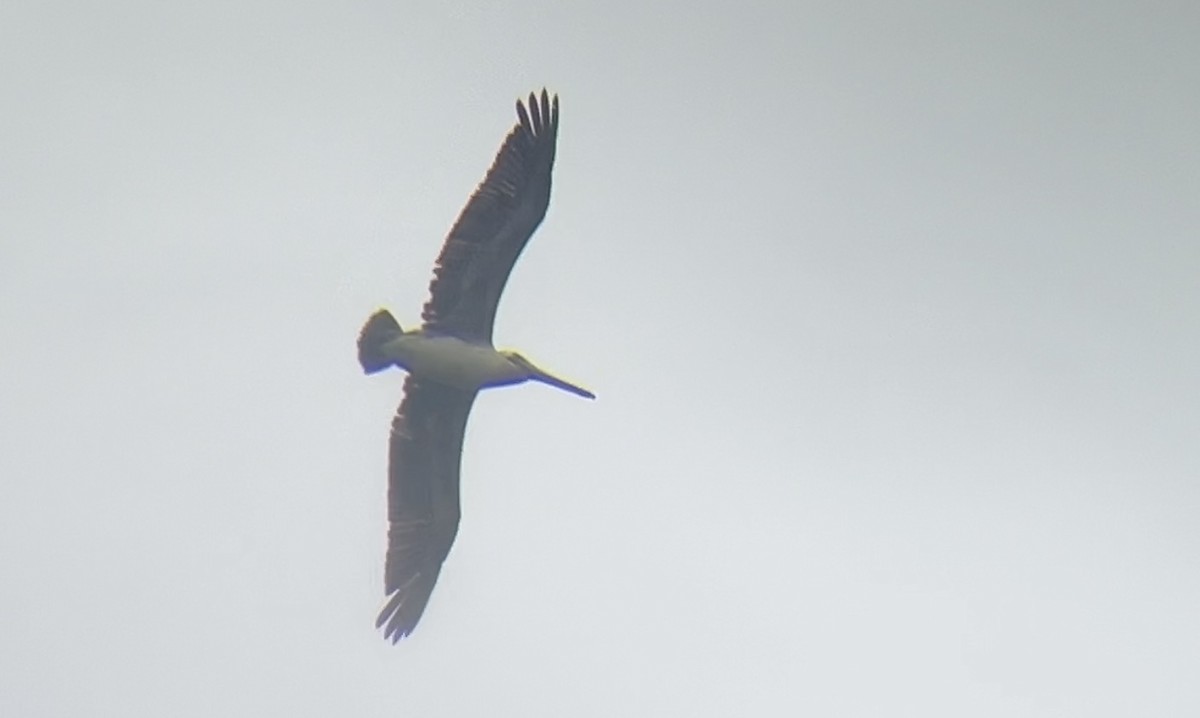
493,228
423,508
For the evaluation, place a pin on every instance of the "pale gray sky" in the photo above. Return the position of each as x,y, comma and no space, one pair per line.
891,308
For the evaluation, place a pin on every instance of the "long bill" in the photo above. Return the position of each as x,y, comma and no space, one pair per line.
548,378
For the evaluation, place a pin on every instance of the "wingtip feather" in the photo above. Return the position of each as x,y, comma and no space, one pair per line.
523,116
405,606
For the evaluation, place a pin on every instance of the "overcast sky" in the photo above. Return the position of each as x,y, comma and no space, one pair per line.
892,310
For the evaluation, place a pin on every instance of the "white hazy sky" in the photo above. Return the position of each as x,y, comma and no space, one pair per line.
892,310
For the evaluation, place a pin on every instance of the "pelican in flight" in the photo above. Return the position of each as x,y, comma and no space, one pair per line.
451,357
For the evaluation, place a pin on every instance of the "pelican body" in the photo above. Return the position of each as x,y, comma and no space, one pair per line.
450,358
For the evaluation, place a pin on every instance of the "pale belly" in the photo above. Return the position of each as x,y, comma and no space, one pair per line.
451,361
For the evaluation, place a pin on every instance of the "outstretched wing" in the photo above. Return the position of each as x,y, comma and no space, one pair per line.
494,227
423,508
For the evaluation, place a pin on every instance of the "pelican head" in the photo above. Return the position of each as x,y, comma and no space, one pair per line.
536,373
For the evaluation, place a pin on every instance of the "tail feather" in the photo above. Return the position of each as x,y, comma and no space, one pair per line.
381,328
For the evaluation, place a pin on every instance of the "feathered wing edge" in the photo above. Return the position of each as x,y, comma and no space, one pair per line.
424,454
495,225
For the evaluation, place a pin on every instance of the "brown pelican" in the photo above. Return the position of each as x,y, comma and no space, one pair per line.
451,357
